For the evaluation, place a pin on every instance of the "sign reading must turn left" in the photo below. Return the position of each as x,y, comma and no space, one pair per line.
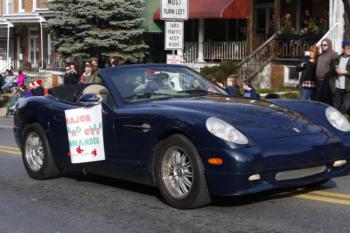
174,9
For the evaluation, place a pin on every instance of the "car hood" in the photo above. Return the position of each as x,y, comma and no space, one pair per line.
258,119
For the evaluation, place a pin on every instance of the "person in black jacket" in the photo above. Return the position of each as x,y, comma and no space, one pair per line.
307,67
71,76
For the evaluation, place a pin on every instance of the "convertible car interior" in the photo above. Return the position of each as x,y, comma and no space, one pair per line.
71,93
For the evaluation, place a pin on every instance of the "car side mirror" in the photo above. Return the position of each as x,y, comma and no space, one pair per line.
89,98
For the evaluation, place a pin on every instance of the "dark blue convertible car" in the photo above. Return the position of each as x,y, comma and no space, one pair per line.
166,126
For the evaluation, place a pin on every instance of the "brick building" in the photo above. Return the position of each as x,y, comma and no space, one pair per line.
24,43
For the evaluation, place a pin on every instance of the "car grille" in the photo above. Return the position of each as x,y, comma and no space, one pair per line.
299,173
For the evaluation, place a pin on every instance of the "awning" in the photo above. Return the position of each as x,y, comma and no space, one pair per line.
218,9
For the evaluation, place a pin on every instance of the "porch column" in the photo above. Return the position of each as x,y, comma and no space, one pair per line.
331,14
201,30
9,25
277,16
49,49
299,13
340,11
41,21
250,29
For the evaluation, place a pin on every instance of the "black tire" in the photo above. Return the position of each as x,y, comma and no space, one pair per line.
44,166
197,194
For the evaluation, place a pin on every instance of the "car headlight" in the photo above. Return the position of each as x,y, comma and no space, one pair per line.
337,119
225,131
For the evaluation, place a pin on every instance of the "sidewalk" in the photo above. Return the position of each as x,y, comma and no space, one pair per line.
3,112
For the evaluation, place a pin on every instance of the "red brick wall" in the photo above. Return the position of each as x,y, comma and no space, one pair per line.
277,76
42,4
55,80
16,6
28,5
1,10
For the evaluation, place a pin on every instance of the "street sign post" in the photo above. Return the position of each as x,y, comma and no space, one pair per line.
174,9
174,35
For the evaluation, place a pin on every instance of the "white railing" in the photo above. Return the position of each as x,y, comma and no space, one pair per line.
190,54
335,35
215,51
225,50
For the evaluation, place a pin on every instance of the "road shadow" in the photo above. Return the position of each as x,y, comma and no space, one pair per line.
217,201
115,183
272,194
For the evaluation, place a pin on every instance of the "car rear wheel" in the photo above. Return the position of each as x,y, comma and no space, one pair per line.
36,153
180,173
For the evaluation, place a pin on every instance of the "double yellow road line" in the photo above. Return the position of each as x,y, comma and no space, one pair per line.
10,150
323,196
317,195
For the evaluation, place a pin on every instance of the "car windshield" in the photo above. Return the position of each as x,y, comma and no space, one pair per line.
142,83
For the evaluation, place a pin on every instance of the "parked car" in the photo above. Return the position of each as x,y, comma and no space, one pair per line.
167,126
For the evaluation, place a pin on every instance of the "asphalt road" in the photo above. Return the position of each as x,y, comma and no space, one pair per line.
77,203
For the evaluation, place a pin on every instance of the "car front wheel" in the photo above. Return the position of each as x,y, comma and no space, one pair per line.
36,153
180,173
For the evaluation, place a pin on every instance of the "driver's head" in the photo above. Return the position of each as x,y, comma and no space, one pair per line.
149,73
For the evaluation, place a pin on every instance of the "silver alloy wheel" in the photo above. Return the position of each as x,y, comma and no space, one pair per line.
34,151
177,173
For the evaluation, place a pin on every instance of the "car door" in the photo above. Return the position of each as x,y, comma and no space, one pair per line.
59,135
133,143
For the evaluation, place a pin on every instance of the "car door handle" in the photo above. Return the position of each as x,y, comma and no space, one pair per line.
58,117
145,127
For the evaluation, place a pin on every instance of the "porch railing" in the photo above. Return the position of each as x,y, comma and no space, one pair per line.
190,54
259,39
215,51
256,61
294,46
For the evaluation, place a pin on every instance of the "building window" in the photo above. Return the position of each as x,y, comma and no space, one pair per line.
21,6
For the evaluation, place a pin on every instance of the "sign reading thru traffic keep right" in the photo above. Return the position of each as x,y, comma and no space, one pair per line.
174,35
174,9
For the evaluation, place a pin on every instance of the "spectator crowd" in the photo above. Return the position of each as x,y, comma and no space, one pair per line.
325,76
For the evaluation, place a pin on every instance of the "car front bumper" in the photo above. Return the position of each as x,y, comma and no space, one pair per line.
280,163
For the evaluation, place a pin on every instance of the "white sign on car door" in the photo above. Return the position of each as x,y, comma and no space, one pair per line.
85,134
174,35
174,9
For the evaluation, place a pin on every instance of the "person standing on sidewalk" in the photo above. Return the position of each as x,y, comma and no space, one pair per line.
95,70
340,80
71,76
307,67
323,70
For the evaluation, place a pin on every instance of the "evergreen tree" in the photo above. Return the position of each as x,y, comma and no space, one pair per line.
94,28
